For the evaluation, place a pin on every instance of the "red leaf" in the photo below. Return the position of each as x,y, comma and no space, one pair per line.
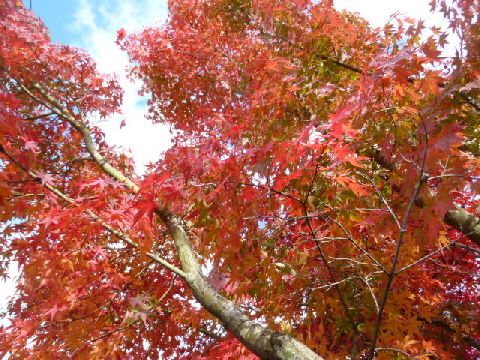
146,205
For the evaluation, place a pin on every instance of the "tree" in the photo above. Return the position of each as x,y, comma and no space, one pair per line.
320,199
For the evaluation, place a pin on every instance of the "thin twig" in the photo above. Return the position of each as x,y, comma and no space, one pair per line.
469,248
354,242
421,180
390,349
379,194
118,233
365,280
324,259
433,253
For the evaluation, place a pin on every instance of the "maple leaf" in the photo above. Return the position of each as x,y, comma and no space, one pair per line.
430,50
32,145
45,178
52,217
357,188
449,137
392,61
139,301
103,182
121,33
56,309
325,90
100,252
145,205
430,83
142,315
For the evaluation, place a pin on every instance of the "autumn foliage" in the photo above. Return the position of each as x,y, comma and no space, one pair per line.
324,172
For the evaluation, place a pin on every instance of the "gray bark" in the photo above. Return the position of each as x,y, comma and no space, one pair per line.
464,222
264,342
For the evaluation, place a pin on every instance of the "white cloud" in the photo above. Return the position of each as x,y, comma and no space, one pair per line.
378,13
8,288
96,23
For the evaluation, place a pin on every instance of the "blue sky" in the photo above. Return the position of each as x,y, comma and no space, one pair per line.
57,14
61,16
92,25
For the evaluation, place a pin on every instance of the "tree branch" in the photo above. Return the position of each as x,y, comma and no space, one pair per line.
442,324
422,178
119,234
400,351
57,108
459,218
464,222
262,341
